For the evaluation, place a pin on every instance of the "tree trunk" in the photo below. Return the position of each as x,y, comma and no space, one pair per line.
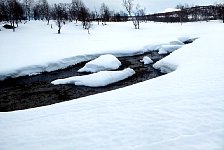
59,30
134,21
13,26
138,23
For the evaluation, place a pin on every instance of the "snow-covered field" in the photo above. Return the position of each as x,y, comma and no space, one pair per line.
35,47
182,110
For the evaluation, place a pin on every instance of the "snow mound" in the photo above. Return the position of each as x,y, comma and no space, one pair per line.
165,67
187,39
176,43
99,79
168,48
146,60
102,63
164,49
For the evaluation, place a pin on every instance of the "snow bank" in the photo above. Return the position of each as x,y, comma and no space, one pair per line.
45,67
102,78
176,43
48,51
165,67
187,39
146,60
102,63
164,49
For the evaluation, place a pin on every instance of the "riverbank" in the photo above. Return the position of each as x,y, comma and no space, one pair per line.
35,91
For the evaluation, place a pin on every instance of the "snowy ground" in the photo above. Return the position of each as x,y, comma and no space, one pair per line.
102,78
35,47
181,110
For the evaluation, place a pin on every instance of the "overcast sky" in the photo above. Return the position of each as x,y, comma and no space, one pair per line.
150,5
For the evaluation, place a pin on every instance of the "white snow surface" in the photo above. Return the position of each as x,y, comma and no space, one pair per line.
104,62
37,48
177,42
164,49
169,10
99,79
146,60
182,110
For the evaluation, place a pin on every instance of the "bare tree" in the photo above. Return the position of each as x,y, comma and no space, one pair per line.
84,16
180,13
138,15
142,14
45,10
42,10
60,15
3,11
220,8
97,16
36,11
105,13
15,12
129,6
88,26
27,8
222,12
76,7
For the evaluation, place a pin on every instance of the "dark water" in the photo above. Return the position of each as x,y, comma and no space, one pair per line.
34,91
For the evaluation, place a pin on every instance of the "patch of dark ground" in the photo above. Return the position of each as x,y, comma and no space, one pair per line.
35,91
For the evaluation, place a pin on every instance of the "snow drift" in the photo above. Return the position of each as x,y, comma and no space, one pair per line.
102,78
165,49
102,63
146,60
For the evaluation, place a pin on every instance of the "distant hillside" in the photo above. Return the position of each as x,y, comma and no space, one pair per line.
196,13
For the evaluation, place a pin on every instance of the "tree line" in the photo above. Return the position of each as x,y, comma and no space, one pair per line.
14,11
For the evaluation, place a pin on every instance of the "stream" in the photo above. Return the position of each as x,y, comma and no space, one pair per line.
35,91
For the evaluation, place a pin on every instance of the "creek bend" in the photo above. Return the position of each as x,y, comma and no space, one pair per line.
34,91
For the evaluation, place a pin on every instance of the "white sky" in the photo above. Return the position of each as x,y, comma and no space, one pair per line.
150,5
